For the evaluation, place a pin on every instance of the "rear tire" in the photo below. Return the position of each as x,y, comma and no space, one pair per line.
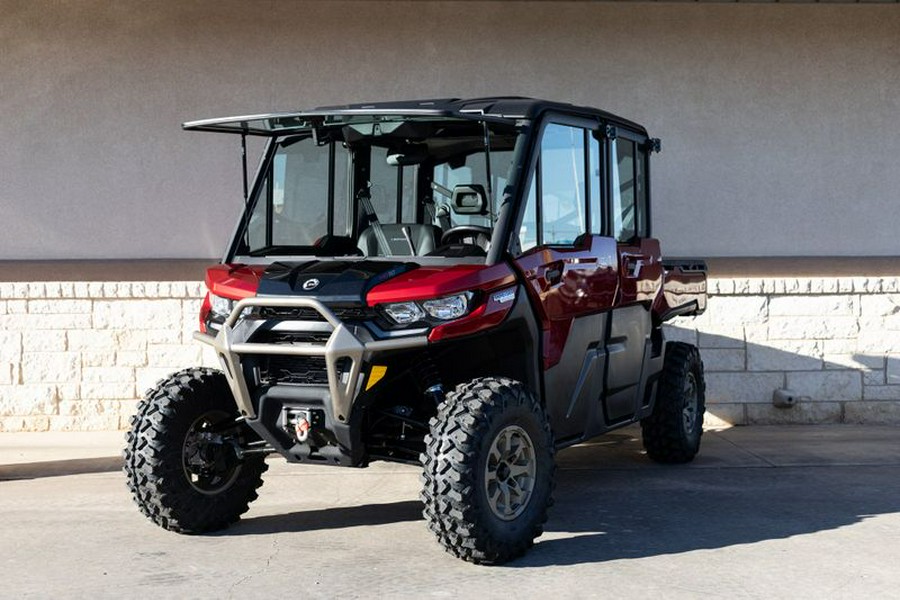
672,432
488,471
180,462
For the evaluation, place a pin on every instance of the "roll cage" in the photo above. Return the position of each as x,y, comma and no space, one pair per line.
525,117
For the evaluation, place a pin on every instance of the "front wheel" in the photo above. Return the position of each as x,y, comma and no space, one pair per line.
488,471
182,458
672,433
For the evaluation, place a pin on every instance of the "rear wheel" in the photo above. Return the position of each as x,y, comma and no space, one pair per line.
182,459
672,432
488,471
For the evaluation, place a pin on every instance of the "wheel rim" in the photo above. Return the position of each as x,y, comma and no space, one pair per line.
209,461
509,473
689,412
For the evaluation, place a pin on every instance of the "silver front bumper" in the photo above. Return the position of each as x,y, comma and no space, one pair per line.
231,343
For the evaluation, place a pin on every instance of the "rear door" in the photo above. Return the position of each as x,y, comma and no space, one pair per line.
571,271
641,271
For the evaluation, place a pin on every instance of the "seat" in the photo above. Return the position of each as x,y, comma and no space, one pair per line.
425,239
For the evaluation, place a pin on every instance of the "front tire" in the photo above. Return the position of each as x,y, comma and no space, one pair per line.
181,463
488,471
672,432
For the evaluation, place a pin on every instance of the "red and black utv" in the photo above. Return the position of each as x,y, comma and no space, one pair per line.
469,285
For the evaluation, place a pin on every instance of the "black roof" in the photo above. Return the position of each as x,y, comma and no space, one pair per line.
502,108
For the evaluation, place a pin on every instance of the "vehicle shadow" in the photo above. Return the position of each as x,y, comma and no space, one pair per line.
330,518
604,513
613,503
58,468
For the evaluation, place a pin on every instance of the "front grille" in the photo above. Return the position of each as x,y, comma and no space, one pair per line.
284,313
291,337
303,313
293,370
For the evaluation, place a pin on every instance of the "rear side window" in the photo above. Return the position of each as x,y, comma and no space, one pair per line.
629,190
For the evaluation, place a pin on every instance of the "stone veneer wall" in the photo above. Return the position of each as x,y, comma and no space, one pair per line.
76,356
833,341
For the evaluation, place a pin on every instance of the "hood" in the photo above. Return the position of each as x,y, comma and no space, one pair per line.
332,282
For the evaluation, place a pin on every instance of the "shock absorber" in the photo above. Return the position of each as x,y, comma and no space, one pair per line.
430,379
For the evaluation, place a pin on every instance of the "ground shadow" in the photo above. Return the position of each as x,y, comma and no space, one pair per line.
58,468
613,503
607,514
330,518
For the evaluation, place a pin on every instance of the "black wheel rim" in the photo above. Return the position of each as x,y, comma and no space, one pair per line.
209,460
691,403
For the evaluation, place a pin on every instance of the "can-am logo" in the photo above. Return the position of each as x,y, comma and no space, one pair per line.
310,284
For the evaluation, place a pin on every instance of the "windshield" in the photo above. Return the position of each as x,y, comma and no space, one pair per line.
392,187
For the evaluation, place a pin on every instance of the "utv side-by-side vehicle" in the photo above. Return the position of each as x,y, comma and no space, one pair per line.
465,285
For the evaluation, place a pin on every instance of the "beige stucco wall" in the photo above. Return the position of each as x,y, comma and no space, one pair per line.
779,122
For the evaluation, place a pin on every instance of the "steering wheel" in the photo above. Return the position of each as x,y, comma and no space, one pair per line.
468,234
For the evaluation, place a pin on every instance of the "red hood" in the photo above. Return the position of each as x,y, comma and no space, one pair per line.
433,282
234,281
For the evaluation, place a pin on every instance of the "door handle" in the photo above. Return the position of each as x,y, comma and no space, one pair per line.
553,275
633,267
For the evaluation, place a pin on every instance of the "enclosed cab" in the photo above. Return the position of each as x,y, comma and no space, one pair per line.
469,285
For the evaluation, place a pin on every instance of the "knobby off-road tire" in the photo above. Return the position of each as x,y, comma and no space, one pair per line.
488,471
672,432
179,480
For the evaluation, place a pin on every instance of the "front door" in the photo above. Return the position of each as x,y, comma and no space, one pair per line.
571,274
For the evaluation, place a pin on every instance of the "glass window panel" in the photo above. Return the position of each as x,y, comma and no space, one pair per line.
528,229
299,194
596,187
623,205
341,190
562,184
641,192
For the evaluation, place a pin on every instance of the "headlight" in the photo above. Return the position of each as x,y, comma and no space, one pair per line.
219,306
437,309
446,309
404,313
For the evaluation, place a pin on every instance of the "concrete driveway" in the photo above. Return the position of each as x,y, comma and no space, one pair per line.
786,512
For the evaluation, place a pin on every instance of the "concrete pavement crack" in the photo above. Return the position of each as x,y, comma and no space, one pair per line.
264,569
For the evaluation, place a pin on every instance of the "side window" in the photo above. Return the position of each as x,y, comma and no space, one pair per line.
597,178
562,184
555,206
623,205
640,182
629,190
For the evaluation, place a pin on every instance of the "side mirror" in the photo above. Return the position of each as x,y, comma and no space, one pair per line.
469,200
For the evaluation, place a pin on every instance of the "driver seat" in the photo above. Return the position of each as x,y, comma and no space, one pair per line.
424,239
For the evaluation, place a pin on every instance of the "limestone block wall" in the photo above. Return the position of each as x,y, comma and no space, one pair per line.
832,341
77,355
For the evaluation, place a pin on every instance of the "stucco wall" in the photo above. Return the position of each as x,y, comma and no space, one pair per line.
778,121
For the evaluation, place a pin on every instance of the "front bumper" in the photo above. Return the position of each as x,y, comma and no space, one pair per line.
343,346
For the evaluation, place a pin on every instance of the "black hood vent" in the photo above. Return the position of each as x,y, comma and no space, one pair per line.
332,282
